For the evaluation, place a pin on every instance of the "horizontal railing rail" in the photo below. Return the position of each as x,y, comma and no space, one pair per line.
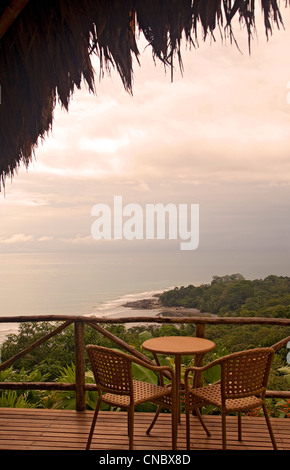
198,320
79,386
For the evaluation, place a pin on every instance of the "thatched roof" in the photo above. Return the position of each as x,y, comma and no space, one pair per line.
46,47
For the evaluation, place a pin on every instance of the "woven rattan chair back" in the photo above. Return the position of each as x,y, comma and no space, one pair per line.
114,379
245,373
244,378
112,370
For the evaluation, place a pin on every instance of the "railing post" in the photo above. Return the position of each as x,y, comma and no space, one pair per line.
198,360
80,366
200,330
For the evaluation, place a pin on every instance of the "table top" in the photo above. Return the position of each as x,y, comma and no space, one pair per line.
182,345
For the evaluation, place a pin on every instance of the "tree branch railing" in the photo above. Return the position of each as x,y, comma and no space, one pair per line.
79,386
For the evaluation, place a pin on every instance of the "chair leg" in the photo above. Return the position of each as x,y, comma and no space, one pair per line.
199,415
239,425
154,419
268,421
202,421
131,427
187,429
224,431
93,424
174,427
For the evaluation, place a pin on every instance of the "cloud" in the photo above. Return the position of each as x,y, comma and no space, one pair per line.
78,240
16,238
218,137
22,197
44,239
226,119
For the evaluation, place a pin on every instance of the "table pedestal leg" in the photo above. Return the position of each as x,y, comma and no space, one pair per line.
177,382
198,362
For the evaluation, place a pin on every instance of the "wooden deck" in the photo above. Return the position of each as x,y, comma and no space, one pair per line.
32,429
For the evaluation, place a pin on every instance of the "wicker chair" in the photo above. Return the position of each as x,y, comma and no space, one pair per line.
244,377
113,374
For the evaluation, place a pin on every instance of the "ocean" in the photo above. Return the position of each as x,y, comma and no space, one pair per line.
99,283
73,283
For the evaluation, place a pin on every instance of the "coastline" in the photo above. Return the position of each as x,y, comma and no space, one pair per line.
154,303
142,304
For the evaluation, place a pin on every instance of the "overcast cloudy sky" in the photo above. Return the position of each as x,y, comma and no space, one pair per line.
218,136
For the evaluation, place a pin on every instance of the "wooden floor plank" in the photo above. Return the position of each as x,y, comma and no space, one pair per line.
32,429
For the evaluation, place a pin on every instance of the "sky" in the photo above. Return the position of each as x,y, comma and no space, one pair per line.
217,136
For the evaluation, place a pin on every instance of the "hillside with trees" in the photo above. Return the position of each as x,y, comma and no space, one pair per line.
233,295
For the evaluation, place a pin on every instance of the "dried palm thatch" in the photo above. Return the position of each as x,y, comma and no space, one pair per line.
46,47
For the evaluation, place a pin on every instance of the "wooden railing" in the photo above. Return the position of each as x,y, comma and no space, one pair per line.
80,387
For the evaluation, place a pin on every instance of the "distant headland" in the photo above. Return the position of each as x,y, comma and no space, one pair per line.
154,303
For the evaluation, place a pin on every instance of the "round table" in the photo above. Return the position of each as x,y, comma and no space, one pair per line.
179,346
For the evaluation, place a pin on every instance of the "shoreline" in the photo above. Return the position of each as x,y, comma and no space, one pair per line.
154,303
150,306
